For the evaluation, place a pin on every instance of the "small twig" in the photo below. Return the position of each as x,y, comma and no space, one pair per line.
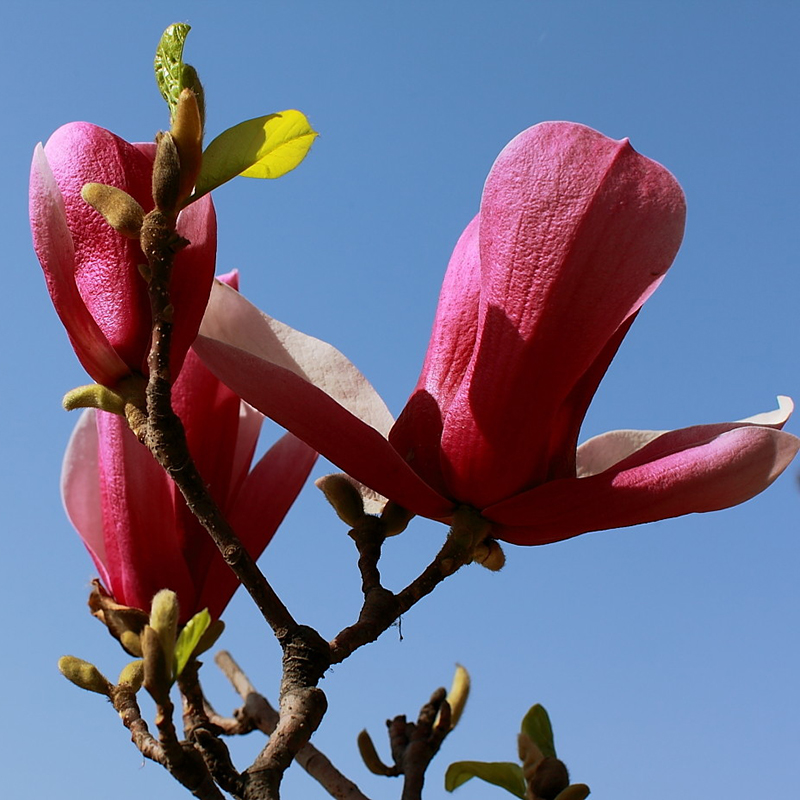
259,713
186,766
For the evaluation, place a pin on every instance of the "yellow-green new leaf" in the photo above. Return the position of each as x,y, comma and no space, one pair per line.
265,147
500,773
189,638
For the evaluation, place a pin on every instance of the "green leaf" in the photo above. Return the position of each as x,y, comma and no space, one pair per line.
536,724
265,147
500,773
168,64
189,637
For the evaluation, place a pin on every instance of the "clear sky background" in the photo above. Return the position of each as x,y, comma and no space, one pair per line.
667,654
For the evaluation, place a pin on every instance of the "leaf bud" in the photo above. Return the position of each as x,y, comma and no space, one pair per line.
94,396
157,673
133,674
489,554
84,675
164,616
166,175
116,206
187,133
395,518
343,495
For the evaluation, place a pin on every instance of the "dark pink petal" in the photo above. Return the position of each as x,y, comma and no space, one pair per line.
143,554
193,275
655,482
417,433
257,511
106,263
309,387
576,231
54,247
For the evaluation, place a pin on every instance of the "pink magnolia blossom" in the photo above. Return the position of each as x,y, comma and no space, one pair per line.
135,523
92,271
575,231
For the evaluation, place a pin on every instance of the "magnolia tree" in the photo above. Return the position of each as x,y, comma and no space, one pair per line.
575,231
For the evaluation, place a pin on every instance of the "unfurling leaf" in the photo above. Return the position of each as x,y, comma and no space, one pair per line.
189,638
536,724
500,773
168,63
265,147
458,694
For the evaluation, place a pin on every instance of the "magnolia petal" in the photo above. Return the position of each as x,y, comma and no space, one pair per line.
322,423
105,261
80,489
54,247
576,231
262,503
651,484
143,554
417,432
310,388
604,451
232,319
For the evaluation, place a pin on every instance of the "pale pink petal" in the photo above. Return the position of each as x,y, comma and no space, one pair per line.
309,387
649,485
576,231
615,447
232,319
80,490
263,501
53,243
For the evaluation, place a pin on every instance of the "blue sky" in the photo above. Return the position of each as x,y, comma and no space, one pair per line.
667,654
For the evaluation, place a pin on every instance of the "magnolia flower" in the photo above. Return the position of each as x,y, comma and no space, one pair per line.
575,231
135,523
92,271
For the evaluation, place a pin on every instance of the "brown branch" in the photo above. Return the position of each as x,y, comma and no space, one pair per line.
257,712
381,607
184,764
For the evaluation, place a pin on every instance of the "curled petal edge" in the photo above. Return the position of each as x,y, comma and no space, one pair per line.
707,475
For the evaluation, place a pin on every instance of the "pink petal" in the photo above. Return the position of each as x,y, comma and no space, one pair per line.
53,243
143,553
417,433
193,275
105,261
309,387
654,482
258,510
576,231
80,490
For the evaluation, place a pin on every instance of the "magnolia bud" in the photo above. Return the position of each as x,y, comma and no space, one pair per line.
157,673
133,674
395,518
164,616
343,495
94,396
166,175
489,554
84,675
118,208
187,133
